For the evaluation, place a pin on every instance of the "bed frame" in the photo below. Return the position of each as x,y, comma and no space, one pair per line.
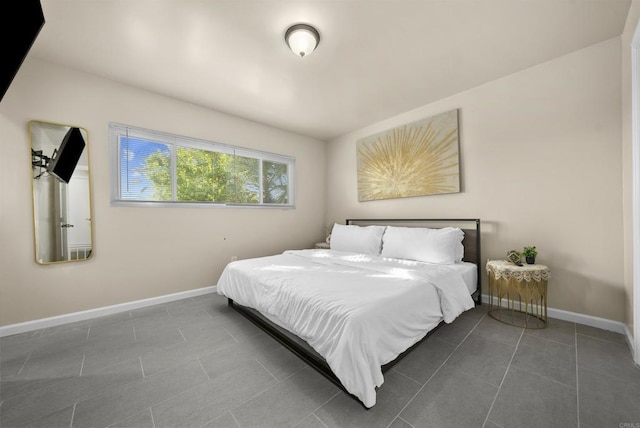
302,349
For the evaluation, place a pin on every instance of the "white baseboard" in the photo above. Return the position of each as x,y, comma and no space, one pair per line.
38,324
590,320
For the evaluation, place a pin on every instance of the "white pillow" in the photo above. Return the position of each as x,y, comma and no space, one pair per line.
357,239
460,251
442,246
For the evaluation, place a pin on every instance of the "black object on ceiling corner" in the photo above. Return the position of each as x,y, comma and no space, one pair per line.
20,23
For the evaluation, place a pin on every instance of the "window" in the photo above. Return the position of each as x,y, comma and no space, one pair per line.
156,168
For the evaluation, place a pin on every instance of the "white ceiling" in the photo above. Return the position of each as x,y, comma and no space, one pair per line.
376,58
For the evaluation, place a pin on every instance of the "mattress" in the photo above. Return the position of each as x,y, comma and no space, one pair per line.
469,272
357,311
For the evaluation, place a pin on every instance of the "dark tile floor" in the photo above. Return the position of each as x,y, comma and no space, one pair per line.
197,363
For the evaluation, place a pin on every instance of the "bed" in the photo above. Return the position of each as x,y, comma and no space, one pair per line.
356,309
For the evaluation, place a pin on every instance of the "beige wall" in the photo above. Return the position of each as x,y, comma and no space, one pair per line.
139,252
633,20
541,162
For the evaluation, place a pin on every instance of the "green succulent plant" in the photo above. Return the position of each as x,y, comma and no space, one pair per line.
530,252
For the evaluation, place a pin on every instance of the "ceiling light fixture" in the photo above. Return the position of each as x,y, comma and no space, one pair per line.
302,39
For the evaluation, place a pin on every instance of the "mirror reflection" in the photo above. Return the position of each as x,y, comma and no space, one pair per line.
61,192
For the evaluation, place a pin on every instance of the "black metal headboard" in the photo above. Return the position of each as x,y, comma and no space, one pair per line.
471,240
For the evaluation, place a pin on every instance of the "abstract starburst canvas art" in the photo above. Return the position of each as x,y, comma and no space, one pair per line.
417,159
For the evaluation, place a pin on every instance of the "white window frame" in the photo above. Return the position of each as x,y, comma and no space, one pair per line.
117,130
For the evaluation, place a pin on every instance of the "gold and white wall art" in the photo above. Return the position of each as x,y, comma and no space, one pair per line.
416,159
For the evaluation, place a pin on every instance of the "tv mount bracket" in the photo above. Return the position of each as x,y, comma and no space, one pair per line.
40,161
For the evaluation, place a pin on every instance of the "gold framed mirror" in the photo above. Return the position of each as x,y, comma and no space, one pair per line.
61,187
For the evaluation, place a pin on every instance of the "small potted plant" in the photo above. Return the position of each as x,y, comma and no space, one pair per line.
530,254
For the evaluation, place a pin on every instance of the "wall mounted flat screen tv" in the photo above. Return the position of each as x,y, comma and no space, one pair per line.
20,23
65,159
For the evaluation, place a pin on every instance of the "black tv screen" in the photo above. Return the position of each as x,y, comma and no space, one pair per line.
65,159
21,21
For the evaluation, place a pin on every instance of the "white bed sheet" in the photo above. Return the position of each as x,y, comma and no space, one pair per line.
358,311
469,272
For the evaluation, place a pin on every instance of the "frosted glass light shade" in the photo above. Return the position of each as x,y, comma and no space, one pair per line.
302,39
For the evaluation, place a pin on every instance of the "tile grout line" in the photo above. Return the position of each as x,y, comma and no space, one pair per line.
268,388
73,414
84,356
153,421
550,340
550,379
216,418
438,369
23,364
600,339
203,369
405,421
168,398
495,423
503,378
234,418
131,416
405,376
575,336
226,331
318,419
141,366
470,373
313,412
203,354
267,370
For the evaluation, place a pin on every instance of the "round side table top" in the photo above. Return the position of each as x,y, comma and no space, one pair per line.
506,269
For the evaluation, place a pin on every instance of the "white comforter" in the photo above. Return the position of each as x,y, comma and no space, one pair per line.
359,312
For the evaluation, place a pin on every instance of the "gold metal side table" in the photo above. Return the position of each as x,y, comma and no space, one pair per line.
518,294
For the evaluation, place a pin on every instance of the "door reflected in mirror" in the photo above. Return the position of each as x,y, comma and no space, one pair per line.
61,192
